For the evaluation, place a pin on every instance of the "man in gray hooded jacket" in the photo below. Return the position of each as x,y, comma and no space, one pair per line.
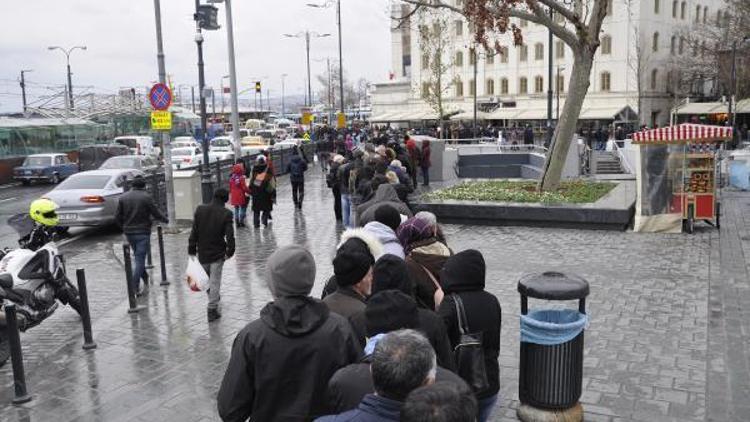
281,363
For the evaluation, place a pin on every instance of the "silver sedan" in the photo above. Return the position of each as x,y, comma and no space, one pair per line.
90,198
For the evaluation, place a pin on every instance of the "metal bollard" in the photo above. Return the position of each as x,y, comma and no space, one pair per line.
162,261
133,305
16,355
88,338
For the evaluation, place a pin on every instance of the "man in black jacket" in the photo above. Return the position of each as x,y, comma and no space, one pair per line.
135,212
212,237
296,168
281,363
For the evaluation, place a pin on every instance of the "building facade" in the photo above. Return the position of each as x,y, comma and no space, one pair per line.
633,80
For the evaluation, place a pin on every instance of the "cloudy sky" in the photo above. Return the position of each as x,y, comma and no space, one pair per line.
120,37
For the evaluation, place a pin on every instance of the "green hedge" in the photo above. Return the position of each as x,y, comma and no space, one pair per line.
575,192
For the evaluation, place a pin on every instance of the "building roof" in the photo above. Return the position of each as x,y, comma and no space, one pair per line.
13,122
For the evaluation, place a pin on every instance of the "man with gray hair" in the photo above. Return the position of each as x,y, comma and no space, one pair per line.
402,361
281,363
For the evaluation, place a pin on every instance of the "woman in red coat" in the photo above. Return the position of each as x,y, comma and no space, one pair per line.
238,194
426,162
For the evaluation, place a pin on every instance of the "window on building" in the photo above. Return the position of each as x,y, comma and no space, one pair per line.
425,89
523,23
672,44
459,28
655,42
656,7
472,87
560,49
489,88
654,76
523,53
718,18
472,57
683,10
538,84
523,85
606,44
459,88
605,81
425,61
698,13
436,28
705,14
682,45
703,49
675,4
489,57
503,54
669,81
504,86
459,58
726,19
560,83
538,51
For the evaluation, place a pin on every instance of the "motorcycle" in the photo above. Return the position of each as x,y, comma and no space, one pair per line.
35,281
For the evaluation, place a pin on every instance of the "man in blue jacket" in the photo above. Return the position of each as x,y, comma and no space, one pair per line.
296,169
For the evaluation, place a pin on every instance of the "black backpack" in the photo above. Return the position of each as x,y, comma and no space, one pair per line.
469,352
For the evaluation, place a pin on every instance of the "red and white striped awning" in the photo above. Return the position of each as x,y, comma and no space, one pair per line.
686,133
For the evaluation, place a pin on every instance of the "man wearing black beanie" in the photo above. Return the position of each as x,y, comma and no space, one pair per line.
353,269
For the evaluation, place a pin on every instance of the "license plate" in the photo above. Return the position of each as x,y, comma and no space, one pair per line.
67,217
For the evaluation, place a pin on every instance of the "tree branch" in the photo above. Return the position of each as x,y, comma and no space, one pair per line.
568,14
404,19
435,4
538,16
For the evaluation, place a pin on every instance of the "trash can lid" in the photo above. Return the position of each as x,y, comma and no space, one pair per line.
553,285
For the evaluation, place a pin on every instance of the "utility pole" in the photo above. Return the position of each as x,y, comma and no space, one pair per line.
67,61
341,59
206,183
23,88
549,84
475,57
283,105
309,83
233,83
192,97
166,147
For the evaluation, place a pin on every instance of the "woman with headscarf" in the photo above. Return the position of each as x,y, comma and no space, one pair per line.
425,257
263,191
238,194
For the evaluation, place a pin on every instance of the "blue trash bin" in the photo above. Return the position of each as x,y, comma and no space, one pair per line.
551,359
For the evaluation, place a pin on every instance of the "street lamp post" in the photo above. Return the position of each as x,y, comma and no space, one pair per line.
23,88
558,85
67,60
549,83
206,185
283,105
341,55
232,82
307,34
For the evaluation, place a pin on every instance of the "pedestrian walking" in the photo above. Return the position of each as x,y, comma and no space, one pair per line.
402,361
239,194
440,402
352,267
212,239
281,363
463,281
333,182
262,191
135,213
426,162
296,168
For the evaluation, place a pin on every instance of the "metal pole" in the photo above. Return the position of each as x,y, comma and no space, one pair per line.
16,355
309,83
70,85
206,185
162,260
166,147
549,84
192,101
475,58
233,101
732,90
23,90
557,89
283,105
221,86
341,59
88,338
213,104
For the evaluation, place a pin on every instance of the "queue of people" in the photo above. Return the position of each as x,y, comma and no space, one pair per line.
381,344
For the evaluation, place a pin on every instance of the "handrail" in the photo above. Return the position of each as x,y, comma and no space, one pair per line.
505,148
622,158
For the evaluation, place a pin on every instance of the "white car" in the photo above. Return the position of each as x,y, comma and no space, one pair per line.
186,157
139,145
185,142
222,148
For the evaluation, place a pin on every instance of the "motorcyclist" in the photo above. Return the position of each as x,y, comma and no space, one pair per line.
44,214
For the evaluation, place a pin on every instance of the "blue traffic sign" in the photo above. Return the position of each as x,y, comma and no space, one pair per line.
160,97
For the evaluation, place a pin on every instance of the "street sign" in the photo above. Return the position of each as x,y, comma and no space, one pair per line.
160,97
161,120
341,121
306,136
306,118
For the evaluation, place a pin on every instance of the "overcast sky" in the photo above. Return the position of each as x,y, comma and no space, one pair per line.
121,41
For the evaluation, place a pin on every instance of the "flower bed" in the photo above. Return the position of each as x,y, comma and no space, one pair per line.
575,192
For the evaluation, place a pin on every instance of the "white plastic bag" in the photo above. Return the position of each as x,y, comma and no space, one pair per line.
195,275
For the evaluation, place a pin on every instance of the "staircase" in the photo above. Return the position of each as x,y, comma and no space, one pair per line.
606,162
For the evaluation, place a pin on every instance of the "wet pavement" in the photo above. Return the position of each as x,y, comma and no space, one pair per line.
668,338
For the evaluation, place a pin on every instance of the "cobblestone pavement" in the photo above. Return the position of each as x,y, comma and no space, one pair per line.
668,339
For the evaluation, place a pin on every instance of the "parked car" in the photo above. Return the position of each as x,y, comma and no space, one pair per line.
185,142
222,148
90,198
50,168
143,163
90,157
139,145
186,157
253,145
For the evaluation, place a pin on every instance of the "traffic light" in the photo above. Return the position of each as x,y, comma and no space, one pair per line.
257,87
207,17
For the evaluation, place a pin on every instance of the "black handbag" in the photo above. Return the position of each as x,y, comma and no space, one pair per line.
469,352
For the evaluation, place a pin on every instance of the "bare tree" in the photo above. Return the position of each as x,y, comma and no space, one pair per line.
434,43
579,27
330,83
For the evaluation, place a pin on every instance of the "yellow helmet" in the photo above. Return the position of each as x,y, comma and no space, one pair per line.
43,211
